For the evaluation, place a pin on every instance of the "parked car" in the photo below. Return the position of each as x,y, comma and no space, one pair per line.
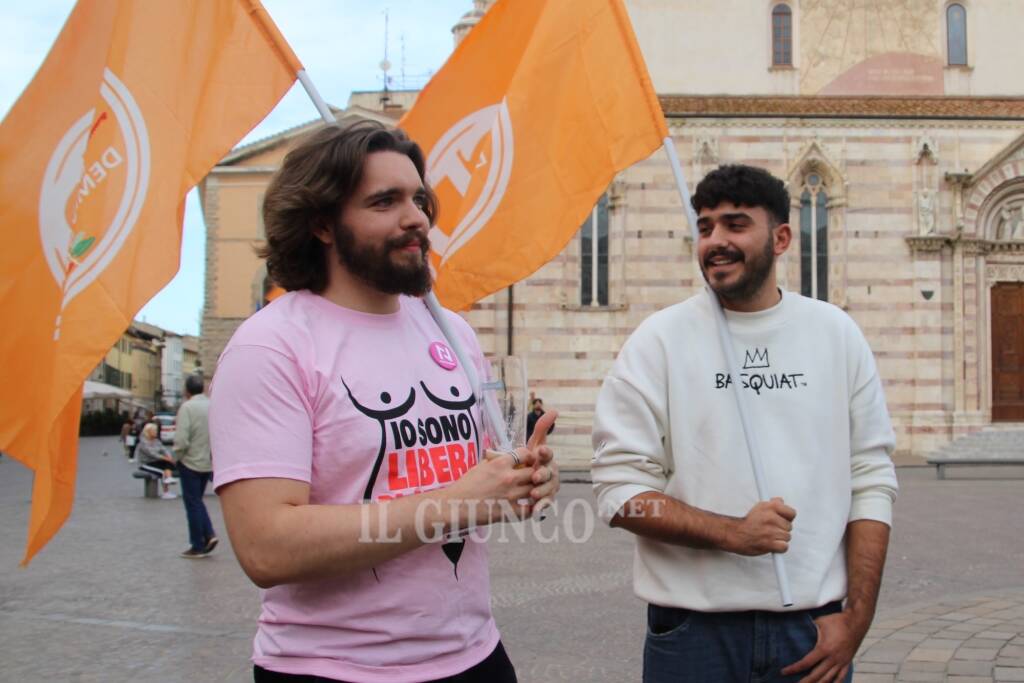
166,423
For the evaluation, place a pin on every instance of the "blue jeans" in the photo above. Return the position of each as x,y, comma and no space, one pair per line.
193,486
728,647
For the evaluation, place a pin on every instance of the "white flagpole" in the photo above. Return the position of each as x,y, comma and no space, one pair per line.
487,401
325,112
491,411
725,339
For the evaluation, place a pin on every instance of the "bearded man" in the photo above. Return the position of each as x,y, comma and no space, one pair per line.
671,465
345,434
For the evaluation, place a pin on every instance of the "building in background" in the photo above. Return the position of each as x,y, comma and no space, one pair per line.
116,368
147,345
172,378
190,362
148,362
132,364
898,126
180,358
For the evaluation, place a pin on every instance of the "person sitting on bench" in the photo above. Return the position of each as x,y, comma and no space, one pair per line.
154,457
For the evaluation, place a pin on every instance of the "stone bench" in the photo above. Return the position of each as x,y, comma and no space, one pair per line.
942,463
150,483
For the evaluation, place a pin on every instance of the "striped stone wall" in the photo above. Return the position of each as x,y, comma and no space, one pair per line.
921,303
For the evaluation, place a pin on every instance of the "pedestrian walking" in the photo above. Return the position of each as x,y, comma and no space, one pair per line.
195,468
536,412
128,438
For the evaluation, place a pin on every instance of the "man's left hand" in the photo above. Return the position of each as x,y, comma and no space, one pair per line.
838,640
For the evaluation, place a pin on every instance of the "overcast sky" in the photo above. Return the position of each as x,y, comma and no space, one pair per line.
341,44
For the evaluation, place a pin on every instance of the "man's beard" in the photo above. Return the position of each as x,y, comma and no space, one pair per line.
756,272
373,264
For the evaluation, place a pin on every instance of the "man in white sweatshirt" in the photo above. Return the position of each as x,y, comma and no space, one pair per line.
671,465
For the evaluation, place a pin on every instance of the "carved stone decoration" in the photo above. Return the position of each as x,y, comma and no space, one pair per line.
926,150
815,151
1011,224
969,245
928,243
1015,247
1006,219
1004,272
1001,185
1004,226
707,147
926,183
925,212
975,247
959,182
705,155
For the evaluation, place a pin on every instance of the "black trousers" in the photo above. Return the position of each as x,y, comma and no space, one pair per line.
495,669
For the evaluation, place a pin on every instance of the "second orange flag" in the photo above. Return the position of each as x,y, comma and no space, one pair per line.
524,127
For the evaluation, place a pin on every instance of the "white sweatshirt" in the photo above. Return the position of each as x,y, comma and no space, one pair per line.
666,422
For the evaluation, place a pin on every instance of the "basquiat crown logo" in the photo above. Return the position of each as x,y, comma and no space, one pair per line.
757,359
475,157
761,382
93,190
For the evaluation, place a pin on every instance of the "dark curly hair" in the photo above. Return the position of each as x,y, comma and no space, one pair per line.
743,186
310,189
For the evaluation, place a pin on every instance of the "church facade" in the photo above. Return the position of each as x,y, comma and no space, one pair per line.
898,127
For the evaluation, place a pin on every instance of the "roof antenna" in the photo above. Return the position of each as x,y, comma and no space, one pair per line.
385,66
402,62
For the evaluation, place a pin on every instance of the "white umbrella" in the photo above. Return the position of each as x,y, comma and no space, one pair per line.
102,390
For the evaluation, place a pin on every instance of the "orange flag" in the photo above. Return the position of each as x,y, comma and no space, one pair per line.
524,127
132,107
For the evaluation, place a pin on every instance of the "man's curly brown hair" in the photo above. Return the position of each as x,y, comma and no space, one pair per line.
310,189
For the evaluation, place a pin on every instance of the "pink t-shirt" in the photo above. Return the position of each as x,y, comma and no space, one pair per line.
362,407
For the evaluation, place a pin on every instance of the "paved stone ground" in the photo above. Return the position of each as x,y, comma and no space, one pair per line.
969,639
109,600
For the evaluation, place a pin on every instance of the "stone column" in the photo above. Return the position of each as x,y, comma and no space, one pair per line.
959,387
931,414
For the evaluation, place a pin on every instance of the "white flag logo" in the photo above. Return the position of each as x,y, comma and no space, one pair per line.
463,157
77,253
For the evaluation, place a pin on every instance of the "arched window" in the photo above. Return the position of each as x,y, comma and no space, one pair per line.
814,239
782,36
594,256
956,35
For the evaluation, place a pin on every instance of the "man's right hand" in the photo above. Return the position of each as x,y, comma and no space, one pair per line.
765,529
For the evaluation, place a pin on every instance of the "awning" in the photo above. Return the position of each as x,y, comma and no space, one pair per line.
101,390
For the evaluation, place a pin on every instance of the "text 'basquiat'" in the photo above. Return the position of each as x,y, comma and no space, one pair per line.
758,382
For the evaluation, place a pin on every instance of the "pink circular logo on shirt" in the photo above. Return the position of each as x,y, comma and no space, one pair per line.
443,356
